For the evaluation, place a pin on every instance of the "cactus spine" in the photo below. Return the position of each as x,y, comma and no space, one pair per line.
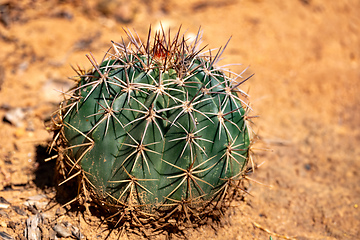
155,131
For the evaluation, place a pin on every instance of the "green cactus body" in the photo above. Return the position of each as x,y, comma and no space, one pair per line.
157,125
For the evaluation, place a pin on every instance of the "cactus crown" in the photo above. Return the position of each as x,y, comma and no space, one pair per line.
155,131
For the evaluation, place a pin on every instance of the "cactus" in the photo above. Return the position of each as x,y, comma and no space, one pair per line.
155,131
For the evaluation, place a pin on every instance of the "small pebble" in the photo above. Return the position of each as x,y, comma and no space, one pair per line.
4,203
33,231
74,230
6,236
15,116
36,197
19,210
61,230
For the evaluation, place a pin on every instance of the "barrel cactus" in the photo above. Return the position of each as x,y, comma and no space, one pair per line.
155,133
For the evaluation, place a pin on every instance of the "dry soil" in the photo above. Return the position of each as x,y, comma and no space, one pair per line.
306,58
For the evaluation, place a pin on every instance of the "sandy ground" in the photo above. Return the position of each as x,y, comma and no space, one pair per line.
306,58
